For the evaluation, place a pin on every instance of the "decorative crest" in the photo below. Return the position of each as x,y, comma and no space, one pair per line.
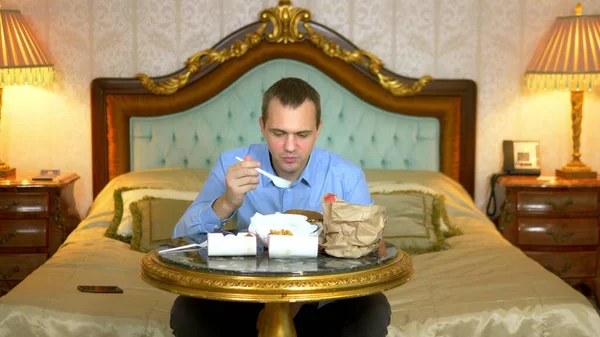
285,20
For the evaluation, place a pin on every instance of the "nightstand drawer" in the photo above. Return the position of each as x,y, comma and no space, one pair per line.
570,202
23,202
23,233
558,231
18,266
567,264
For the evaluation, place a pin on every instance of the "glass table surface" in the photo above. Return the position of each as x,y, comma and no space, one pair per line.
197,259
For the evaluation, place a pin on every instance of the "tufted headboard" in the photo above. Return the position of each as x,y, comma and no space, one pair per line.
372,116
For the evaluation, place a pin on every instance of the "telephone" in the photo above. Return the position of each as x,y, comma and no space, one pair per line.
521,157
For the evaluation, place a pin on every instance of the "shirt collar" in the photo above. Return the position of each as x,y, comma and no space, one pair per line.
307,174
309,171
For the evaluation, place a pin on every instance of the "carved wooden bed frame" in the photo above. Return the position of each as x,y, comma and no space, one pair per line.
285,32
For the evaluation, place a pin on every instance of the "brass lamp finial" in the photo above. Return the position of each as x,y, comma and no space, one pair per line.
284,2
578,9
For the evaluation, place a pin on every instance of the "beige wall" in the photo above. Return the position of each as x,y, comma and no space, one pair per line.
489,41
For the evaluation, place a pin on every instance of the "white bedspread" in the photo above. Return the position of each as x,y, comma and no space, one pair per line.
482,286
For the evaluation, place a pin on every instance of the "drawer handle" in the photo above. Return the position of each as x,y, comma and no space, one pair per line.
560,208
7,237
10,273
558,238
8,206
565,268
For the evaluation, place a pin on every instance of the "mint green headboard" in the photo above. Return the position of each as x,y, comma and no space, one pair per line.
366,135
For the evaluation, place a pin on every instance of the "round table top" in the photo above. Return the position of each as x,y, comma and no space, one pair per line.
261,279
262,265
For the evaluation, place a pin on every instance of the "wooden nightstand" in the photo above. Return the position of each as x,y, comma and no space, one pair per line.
556,223
35,218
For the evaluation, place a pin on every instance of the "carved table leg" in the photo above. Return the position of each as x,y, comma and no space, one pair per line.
275,320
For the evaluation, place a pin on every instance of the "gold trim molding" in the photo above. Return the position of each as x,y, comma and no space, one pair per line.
271,289
285,22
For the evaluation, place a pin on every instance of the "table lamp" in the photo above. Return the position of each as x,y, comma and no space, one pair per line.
568,58
22,61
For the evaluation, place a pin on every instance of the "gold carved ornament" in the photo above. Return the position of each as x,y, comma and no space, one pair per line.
271,289
285,20
199,60
367,60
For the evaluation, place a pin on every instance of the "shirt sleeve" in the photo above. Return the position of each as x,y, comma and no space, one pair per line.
357,190
200,216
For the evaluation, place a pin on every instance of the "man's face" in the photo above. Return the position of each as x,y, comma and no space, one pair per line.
291,135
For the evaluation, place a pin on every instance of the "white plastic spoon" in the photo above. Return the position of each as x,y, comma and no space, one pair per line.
279,182
186,247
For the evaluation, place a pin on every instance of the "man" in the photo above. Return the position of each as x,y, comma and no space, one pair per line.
290,123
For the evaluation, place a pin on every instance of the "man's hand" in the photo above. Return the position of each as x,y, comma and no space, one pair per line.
240,179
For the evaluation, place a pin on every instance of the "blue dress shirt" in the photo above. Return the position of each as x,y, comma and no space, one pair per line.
326,172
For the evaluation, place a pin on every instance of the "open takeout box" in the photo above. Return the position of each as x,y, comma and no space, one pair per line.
288,235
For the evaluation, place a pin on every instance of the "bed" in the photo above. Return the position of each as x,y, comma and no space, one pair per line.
166,133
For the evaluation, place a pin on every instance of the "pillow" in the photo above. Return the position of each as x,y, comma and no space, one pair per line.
153,221
175,178
410,224
111,231
417,220
121,227
455,195
438,208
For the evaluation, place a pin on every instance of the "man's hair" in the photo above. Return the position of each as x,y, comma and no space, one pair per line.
292,92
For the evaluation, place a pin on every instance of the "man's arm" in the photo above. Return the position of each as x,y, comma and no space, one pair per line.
200,217
221,196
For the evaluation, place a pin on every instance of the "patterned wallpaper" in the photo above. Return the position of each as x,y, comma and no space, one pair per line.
488,41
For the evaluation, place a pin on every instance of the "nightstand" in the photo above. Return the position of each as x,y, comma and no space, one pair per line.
556,223
35,218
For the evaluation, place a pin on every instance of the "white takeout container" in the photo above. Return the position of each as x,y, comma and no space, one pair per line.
261,225
304,243
288,246
242,244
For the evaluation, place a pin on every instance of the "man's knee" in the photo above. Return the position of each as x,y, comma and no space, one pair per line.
371,317
199,317
183,307
376,307
185,316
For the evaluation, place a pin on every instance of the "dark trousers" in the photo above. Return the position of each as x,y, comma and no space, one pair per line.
367,316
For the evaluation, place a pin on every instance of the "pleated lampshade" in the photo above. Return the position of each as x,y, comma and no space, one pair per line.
22,61
568,57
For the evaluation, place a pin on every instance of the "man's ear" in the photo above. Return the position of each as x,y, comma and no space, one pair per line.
261,123
320,127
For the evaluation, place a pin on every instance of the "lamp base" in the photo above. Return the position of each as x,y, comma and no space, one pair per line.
580,171
7,171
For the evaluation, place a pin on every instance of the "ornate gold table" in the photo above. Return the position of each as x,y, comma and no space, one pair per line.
275,282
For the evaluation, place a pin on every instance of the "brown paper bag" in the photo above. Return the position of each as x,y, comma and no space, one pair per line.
352,231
